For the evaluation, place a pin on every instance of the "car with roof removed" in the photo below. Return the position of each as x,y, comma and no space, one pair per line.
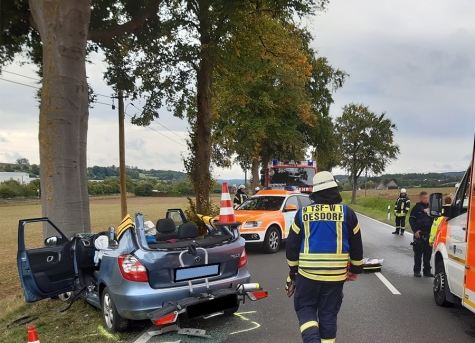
132,276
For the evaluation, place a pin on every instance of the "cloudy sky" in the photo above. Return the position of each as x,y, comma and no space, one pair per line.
415,60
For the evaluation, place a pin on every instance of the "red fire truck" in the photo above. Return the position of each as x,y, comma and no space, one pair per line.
298,174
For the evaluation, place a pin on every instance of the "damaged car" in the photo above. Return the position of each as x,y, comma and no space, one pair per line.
178,273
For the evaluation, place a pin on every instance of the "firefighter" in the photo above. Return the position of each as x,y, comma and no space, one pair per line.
435,226
324,250
401,208
240,196
421,223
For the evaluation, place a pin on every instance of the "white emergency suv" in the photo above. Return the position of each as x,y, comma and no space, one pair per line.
453,258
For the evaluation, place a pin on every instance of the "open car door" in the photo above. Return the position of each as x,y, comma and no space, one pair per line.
46,268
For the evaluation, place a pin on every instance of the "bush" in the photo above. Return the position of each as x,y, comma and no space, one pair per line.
209,209
143,189
6,192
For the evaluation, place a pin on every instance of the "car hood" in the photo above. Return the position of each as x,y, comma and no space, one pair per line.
245,216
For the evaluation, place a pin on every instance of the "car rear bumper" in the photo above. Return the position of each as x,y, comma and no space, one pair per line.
135,300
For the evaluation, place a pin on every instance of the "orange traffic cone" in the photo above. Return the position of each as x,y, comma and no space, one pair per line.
226,212
32,335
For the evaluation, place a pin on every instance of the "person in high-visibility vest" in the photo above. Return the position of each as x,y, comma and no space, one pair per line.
435,226
401,208
324,250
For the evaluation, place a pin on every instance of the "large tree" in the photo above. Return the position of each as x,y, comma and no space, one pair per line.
273,96
185,62
366,142
53,34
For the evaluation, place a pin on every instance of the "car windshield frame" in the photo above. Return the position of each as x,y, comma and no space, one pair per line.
263,203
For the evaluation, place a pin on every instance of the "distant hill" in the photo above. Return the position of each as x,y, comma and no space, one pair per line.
166,176
408,180
232,181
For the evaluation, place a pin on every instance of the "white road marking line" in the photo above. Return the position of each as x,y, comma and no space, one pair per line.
392,227
145,337
387,284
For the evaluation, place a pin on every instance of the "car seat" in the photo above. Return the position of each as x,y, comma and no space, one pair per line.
188,231
166,230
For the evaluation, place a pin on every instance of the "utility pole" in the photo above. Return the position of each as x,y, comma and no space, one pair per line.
123,186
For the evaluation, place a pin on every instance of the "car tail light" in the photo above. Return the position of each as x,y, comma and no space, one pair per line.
243,259
168,319
131,268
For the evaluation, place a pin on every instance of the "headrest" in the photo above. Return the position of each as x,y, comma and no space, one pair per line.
165,225
188,230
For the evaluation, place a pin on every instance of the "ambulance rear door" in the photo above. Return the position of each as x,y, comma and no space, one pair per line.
469,287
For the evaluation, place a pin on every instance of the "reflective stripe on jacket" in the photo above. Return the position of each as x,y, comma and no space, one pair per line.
322,240
402,206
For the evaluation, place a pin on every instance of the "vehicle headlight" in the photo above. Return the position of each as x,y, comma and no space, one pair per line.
252,224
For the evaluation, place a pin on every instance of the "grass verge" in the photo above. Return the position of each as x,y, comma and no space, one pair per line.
82,323
375,205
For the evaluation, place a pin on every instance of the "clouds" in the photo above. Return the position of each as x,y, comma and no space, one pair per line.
414,60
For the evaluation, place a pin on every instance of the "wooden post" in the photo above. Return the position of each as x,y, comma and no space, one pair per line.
123,186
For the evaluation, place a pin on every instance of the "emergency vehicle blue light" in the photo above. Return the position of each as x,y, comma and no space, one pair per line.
310,162
290,188
275,162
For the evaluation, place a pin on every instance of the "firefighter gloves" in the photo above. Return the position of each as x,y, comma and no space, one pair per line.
290,284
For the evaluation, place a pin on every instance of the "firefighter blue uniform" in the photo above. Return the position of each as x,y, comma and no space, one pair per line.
324,240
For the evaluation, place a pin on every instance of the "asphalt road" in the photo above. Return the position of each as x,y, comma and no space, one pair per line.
371,312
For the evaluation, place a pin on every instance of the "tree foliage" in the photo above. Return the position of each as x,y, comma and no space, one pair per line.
273,96
366,142
53,34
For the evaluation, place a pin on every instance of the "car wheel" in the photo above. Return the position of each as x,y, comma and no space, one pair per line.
441,286
112,319
272,240
65,296
231,311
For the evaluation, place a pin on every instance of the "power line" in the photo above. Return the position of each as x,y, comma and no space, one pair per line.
160,124
28,77
151,128
103,103
19,83
36,79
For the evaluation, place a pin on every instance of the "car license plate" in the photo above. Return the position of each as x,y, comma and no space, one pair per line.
196,272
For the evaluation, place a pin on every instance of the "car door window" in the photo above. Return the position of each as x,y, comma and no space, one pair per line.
461,198
304,201
292,201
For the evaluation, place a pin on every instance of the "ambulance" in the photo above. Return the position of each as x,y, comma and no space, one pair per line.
453,258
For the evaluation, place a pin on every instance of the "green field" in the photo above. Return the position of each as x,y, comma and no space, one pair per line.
375,203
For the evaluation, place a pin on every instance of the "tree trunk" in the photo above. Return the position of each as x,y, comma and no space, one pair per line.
255,173
63,27
202,174
355,188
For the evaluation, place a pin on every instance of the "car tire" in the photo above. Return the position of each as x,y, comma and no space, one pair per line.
231,311
113,322
65,296
272,240
441,286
